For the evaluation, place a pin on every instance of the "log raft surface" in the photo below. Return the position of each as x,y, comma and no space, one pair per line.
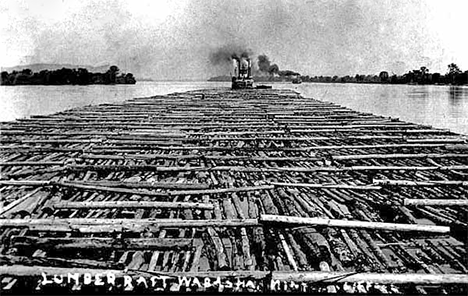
261,184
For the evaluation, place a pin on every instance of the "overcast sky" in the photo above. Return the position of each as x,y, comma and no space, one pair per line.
174,39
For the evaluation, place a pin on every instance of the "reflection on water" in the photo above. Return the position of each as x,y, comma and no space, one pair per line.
438,106
457,92
418,92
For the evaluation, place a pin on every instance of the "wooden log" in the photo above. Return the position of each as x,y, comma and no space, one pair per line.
326,186
101,243
437,140
352,224
31,163
71,222
195,156
397,156
435,202
15,203
298,277
130,149
287,251
131,205
222,190
55,261
155,168
420,183
350,126
382,278
142,184
25,183
112,189
218,244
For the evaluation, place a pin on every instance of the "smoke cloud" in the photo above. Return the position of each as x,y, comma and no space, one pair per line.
225,54
263,63
265,66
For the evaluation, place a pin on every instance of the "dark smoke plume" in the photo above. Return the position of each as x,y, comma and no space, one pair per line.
226,53
274,69
263,63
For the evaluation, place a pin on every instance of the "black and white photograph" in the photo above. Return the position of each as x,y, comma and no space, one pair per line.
233,146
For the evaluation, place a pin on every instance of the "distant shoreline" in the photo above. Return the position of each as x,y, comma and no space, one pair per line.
66,76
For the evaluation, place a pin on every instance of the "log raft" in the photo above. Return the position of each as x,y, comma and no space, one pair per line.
263,185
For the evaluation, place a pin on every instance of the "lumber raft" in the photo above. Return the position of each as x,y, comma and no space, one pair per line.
261,185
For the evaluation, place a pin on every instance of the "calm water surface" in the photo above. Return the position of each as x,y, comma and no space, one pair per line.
439,106
25,100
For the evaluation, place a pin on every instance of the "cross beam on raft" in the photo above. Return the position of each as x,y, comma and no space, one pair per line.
264,219
156,168
101,243
420,183
128,223
326,186
436,202
352,224
131,205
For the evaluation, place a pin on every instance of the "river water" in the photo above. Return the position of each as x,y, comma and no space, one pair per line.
438,106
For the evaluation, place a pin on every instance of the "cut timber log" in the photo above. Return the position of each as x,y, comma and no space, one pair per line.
156,168
352,224
395,156
102,243
419,183
31,163
162,185
436,202
381,278
222,190
117,223
131,205
298,277
196,156
112,189
18,201
326,186
24,183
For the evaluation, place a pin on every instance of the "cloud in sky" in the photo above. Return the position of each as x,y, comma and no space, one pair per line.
174,39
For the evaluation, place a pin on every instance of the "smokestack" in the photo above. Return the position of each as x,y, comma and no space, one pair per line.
236,65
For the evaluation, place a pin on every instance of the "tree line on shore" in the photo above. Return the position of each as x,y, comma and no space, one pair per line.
80,76
268,72
454,76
